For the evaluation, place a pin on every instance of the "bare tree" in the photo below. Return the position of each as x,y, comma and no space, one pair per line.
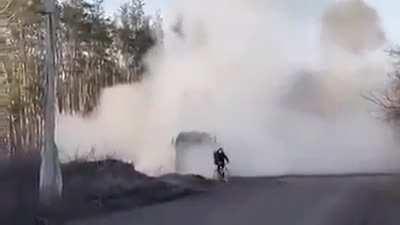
389,100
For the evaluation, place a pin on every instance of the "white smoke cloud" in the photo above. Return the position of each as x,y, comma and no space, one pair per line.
353,25
230,75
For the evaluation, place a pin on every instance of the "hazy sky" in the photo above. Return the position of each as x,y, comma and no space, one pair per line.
388,10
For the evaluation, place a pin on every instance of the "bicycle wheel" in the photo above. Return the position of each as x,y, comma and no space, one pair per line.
226,175
218,175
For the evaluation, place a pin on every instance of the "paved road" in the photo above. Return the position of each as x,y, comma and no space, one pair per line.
372,200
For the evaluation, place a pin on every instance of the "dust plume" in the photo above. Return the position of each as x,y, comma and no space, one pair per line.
282,93
353,25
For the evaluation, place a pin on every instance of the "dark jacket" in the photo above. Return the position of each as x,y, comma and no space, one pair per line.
220,157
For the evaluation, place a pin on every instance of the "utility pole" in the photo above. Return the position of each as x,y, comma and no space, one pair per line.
50,171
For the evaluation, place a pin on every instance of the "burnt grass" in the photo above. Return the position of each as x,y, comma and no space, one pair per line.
90,189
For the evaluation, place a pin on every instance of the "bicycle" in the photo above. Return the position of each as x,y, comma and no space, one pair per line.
221,174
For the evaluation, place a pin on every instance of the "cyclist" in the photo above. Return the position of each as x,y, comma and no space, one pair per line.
220,160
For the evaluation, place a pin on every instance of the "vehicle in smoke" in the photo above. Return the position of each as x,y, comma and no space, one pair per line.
194,152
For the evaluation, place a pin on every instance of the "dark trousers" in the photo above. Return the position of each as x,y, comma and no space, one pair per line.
220,166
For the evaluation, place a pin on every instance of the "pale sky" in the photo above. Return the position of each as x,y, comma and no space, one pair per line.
387,9
389,12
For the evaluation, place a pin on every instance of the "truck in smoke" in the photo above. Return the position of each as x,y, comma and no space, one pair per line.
194,151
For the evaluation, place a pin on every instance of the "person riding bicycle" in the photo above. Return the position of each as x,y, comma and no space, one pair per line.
220,158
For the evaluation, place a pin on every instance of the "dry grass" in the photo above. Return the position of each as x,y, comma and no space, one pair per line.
90,188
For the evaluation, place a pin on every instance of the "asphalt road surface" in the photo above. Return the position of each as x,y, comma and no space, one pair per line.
351,200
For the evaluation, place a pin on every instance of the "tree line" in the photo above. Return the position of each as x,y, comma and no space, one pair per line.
93,51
